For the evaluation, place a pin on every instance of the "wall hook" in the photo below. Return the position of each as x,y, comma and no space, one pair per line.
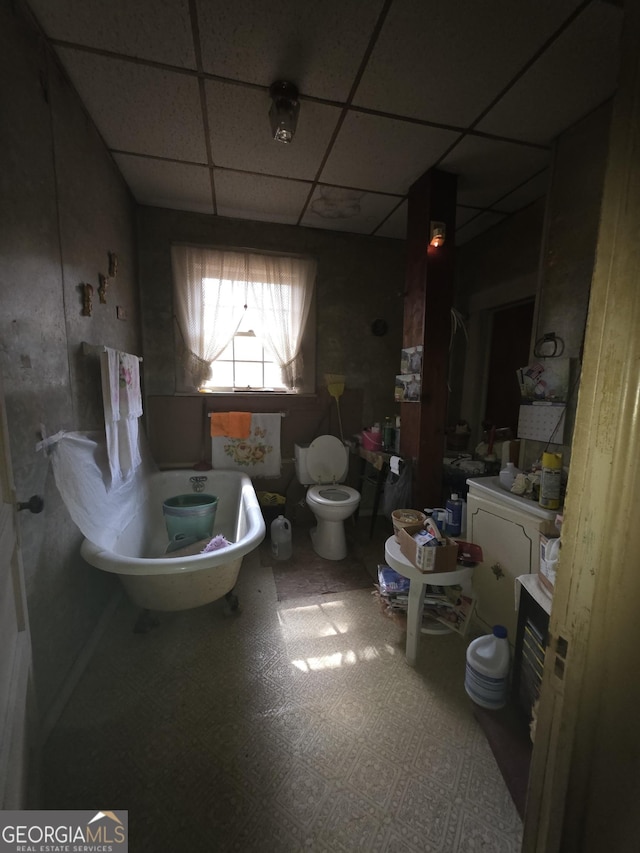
87,299
102,288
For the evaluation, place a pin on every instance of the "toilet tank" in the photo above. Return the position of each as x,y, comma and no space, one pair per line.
302,473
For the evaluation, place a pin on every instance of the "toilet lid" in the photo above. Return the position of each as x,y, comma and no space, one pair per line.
327,459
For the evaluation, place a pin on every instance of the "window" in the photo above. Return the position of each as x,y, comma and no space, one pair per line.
242,318
245,364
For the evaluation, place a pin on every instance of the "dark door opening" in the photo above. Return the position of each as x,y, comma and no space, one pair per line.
509,350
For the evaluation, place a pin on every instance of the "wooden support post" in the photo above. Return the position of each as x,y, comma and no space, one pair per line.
428,299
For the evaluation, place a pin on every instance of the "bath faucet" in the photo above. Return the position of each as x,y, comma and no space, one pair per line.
197,483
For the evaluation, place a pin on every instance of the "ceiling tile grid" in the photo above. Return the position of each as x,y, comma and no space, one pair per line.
318,46
244,196
138,108
179,90
383,154
488,169
161,183
577,72
348,210
122,26
445,62
238,120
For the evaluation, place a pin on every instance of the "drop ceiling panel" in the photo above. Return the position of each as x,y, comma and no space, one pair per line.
347,210
161,33
317,46
396,225
445,62
527,193
576,74
382,154
258,197
138,108
489,169
160,183
423,63
477,226
241,133
466,214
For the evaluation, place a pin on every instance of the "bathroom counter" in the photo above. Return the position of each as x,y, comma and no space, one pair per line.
417,583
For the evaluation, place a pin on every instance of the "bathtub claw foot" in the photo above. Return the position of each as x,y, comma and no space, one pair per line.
146,622
231,602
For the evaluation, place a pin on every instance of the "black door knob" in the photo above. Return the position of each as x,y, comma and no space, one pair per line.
34,504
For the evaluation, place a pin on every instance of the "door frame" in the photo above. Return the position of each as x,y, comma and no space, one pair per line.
18,719
585,779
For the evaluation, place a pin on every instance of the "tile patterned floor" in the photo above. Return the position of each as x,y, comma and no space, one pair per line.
290,726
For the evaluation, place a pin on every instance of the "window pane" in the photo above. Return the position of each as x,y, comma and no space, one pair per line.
248,374
248,348
272,376
227,352
221,374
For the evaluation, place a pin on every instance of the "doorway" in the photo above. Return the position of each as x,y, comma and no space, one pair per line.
509,349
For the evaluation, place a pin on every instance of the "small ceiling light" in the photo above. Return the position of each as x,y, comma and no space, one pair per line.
284,110
438,234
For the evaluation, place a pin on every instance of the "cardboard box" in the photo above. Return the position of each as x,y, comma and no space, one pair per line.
429,559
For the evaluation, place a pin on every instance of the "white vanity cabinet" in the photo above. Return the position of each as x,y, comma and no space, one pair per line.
507,528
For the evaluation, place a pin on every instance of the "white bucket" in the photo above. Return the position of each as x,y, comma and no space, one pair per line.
487,671
281,548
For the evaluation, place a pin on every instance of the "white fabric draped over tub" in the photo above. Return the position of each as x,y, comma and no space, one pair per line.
81,469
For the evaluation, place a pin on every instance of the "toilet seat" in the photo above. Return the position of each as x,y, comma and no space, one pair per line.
332,495
327,459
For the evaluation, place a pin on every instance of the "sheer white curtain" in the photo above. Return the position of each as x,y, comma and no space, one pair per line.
283,289
208,316
212,290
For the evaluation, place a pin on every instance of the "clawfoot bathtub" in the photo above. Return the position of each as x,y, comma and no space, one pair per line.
158,582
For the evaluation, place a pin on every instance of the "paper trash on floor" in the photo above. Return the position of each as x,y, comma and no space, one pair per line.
448,605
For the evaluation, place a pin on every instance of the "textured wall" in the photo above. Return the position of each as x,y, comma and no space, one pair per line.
359,279
63,206
551,256
573,218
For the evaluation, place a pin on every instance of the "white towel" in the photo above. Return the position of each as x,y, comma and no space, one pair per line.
110,368
129,385
258,455
122,399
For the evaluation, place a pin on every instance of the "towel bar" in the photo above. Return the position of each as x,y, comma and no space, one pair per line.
282,414
96,349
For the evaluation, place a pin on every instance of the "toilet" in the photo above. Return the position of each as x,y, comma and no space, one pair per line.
323,465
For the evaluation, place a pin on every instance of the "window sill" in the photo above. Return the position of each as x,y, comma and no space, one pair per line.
268,394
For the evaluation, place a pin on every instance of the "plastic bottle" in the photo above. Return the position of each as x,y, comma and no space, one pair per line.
453,524
281,548
550,479
487,671
508,475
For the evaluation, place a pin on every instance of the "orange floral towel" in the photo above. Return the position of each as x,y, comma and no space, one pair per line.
231,424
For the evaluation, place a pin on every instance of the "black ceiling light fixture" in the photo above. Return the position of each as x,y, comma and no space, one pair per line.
285,107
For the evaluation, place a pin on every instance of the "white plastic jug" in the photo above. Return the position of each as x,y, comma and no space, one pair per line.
281,538
508,475
487,672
